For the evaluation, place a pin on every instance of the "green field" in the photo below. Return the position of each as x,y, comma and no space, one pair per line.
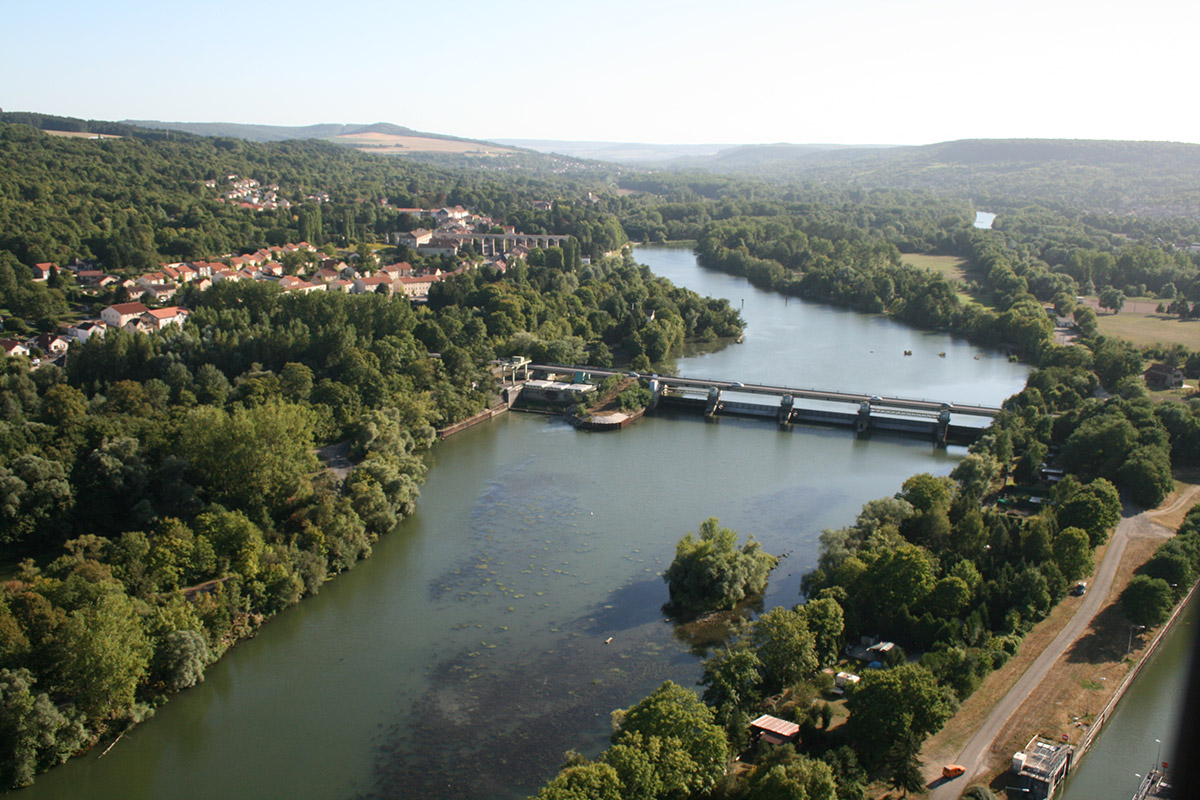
952,268
1151,328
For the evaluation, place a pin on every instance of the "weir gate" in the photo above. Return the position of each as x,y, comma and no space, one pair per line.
941,421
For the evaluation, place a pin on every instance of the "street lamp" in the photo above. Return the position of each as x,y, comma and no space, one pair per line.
1129,644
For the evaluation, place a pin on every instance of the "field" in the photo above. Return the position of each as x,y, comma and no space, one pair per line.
390,144
82,134
952,268
1150,328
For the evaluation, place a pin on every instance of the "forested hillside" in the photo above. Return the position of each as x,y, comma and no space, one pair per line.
1155,179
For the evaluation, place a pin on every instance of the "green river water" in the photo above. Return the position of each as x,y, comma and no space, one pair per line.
469,652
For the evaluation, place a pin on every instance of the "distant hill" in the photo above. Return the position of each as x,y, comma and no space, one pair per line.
381,138
674,155
279,133
1144,178
619,152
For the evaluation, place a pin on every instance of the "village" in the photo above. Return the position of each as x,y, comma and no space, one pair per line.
457,235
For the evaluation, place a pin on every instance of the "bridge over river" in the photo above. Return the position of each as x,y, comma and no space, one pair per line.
863,412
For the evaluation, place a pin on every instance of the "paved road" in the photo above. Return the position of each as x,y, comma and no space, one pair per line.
974,755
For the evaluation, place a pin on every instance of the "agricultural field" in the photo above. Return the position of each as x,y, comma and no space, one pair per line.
390,144
1150,328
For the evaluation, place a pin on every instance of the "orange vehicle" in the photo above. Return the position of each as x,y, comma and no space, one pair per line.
953,770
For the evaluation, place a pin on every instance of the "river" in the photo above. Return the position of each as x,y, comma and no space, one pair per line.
469,652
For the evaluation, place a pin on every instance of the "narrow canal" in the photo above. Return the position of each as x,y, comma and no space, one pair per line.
469,652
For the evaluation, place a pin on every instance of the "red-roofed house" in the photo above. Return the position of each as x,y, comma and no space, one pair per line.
14,348
372,284
160,318
116,316
41,271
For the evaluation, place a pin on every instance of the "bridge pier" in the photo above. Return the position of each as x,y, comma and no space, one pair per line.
714,402
862,425
943,426
785,409
656,390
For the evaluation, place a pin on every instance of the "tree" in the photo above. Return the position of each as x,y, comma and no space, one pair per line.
904,764
1073,553
1147,601
732,679
1112,299
1146,473
785,645
1095,508
693,750
1085,319
590,781
710,572
255,458
101,652
788,775
826,621
34,734
890,704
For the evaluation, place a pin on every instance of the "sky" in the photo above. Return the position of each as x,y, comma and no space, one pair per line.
660,71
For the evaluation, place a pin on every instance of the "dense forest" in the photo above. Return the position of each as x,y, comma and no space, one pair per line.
162,494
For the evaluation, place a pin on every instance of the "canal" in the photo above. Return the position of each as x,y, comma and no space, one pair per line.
470,651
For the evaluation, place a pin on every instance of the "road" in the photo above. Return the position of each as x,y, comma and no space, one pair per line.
975,754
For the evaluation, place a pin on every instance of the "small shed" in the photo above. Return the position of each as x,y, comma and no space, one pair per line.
775,730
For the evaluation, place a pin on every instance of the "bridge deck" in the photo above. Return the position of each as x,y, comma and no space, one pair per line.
905,403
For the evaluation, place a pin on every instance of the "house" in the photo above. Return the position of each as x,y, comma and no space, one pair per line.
416,286
116,316
774,730
160,291
340,285
14,348
52,344
87,329
372,284
325,275
160,318
416,238
42,271
1162,376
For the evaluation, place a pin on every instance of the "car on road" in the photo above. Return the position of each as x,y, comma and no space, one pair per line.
953,770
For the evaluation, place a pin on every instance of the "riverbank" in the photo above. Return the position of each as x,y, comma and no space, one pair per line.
1085,681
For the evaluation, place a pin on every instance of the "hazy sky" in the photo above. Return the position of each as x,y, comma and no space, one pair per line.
841,71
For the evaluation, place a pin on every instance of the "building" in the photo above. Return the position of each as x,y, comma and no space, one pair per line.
1161,376
1041,767
116,316
160,318
42,271
774,730
12,347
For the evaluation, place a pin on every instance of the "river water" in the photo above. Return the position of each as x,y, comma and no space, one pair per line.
469,652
